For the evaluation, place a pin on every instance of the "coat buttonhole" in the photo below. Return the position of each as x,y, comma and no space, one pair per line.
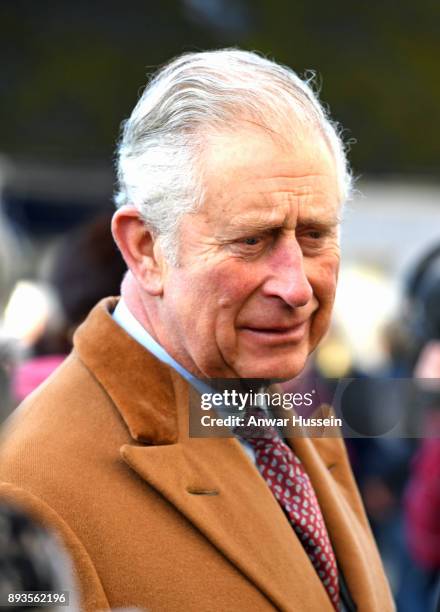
193,491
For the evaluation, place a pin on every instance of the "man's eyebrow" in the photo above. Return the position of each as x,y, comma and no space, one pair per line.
320,221
255,224
266,225
244,226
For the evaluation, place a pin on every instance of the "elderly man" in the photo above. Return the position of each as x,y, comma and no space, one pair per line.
231,180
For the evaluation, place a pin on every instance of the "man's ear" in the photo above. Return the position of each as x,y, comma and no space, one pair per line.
139,248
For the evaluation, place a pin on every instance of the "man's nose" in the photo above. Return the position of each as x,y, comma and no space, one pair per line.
287,277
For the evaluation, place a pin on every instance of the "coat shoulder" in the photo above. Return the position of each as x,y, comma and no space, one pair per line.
60,433
75,571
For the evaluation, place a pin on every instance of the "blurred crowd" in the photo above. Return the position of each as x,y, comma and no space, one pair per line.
75,271
394,434
398,475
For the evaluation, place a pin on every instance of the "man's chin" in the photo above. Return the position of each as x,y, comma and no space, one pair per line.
275,372
278,363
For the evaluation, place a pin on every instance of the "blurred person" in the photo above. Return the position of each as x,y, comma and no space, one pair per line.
384,466
421,310
422,498
11,258
32,560
87,266
10,266
31,556
423,491
7,363
231,182
84,267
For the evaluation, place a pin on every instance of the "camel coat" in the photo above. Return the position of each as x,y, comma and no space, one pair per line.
158,520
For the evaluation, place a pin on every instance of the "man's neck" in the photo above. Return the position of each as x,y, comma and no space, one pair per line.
132,296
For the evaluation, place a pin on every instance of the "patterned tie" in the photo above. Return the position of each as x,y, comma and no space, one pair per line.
291,486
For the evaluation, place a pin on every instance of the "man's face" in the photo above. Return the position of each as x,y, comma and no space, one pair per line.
258,264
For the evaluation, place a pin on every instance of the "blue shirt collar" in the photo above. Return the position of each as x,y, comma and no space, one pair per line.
131,325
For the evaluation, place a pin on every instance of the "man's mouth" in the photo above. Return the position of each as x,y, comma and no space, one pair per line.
277,333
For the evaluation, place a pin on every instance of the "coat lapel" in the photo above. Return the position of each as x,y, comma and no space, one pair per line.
212,482
327,465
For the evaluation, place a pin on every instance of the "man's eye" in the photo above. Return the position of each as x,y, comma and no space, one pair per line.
251,241
250,245
315,234
311,234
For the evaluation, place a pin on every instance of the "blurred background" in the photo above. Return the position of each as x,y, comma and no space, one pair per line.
71,72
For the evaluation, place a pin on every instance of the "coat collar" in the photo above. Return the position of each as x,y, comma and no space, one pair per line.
212,482
126,371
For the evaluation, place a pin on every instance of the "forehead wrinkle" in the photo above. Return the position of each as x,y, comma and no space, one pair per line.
268,195
269,212
284,184
259,199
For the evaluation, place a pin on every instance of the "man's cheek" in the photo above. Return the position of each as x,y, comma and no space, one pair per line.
324,279
230,288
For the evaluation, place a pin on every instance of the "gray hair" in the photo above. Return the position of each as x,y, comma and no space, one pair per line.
159,153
